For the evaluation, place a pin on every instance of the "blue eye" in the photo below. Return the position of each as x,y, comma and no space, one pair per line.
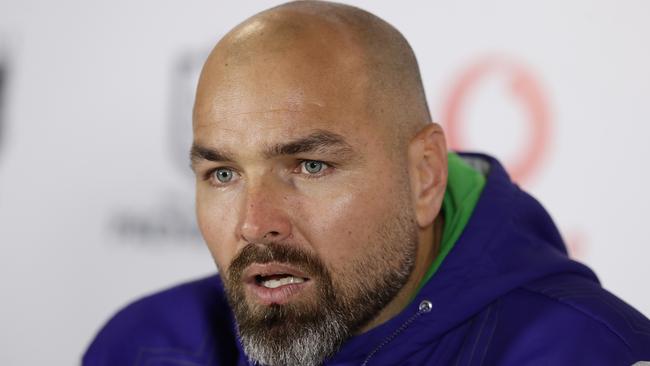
223,175
313,166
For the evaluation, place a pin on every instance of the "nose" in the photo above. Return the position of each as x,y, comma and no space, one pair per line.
265,217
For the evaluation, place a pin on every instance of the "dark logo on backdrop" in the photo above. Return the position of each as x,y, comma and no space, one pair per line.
184,78
4,70
171,219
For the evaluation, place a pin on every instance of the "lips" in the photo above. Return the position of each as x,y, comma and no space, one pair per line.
275,283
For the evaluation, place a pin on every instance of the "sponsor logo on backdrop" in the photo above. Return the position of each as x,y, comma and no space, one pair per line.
171,218
4,72
521,88
184,78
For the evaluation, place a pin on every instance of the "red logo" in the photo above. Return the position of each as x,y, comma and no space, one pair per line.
525,90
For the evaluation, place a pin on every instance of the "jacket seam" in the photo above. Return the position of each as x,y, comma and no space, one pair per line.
494,327
584,313
480,334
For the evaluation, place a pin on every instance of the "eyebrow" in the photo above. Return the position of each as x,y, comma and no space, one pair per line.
198,153
318,141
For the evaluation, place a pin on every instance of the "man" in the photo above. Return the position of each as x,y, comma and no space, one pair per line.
345,234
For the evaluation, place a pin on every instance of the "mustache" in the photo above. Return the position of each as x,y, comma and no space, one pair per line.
307,262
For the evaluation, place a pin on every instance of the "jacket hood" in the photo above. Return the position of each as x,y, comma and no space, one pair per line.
510,240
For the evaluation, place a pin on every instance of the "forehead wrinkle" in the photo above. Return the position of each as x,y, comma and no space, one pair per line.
317,141
275,110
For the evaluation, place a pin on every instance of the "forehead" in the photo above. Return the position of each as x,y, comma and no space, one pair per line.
279,97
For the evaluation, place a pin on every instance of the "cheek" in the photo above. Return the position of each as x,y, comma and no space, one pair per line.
345,223
214,216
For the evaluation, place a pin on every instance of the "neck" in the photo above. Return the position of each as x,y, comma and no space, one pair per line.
429,240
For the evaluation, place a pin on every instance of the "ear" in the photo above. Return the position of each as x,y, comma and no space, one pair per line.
427,162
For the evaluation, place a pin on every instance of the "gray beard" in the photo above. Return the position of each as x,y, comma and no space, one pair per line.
308,334
309,344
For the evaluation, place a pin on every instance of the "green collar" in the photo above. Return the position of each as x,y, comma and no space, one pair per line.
464,187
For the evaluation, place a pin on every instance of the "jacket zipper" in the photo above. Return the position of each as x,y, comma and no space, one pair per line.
424,307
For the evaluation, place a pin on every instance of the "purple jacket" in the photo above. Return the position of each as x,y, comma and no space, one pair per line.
507,294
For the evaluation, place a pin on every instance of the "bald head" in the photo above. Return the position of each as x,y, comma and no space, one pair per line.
333,48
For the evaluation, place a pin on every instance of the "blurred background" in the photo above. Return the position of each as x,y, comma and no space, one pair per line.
96,197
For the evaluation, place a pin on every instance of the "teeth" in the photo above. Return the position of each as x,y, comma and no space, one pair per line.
275,283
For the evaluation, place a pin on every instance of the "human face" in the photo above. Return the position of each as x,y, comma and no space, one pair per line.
304,204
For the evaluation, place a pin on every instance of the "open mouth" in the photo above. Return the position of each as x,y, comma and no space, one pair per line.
275,283
277,280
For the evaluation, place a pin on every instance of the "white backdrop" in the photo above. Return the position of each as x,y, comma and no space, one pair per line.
96,197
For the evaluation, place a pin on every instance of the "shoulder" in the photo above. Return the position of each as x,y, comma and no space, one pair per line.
568,317
182,324
588,299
